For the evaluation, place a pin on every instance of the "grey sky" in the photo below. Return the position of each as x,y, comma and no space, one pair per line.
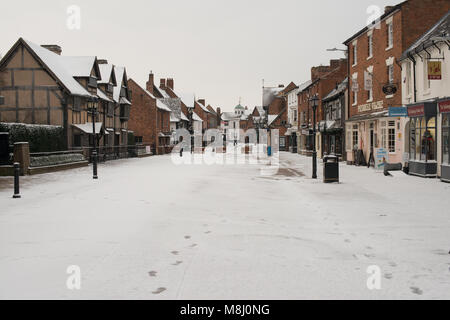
218,49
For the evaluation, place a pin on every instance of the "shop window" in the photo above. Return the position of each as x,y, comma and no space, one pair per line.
423,139
355,137
391,139
77,140
445,138
383,134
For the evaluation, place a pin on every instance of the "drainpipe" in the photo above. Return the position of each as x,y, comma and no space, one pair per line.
410,57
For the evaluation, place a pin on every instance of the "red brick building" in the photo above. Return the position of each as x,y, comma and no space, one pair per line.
323,80
150,117
375,76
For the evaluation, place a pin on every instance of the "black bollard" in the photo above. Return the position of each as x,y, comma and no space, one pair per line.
94,164
16,181
181,152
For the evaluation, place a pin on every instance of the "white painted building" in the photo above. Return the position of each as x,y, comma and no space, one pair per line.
426,94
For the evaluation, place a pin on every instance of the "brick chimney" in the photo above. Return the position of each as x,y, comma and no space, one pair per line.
202,101
102,61
218,111
162,83
53,48
151,82
170,83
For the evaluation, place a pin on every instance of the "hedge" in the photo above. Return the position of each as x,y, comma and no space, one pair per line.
42,138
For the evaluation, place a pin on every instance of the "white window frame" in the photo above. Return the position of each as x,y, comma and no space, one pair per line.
390,33
370,45
355,53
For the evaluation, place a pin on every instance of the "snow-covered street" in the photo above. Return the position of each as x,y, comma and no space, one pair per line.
148,229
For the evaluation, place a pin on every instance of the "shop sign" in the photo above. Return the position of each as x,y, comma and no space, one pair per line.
368,82
444,106
389,89
370,106
416,111
434,70
398,112
381,157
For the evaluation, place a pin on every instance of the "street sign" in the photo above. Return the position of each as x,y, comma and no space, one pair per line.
398,112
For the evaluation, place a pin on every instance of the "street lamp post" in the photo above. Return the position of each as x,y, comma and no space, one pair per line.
314,101
93,110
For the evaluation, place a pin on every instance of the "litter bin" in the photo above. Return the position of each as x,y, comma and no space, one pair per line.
330,169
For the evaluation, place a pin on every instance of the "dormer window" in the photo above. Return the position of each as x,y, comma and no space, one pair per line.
92,82
109,88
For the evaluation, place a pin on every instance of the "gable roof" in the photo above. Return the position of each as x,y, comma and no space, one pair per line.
202,106
120,76
81,66
106,72
56,66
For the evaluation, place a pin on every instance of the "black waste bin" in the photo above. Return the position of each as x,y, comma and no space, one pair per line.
330,169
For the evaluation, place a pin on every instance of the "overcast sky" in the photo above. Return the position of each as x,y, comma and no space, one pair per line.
218,49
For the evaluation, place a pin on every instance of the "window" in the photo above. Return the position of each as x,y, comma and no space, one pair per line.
445,138
138,140
92,82
109,88
110,111
76,104
370,45
390,35
390,73
423,139
355,90
391,137
77,140
355,54
355,137
383,134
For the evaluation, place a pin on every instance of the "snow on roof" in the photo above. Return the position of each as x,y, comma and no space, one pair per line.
79,66
103,96
161,105
304,85
60,69
230,116
195,117
124,100
87,127
203,107
173,118
272,117
105,72
183,116
120,71
340,88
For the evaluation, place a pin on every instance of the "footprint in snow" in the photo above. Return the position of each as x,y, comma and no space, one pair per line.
159,290
177,263
152,273
187,237
175,253
416,290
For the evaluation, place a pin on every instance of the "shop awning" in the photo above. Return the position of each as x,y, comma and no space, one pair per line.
87,127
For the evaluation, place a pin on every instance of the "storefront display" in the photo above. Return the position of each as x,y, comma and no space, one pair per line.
444,110
422,139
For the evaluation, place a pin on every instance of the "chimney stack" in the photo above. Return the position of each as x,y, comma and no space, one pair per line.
162,83
150,83
102,61
53,48
170,83
388,8
218,111
201,101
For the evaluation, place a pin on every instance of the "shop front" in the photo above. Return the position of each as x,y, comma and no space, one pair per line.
422,139
444,159
332,138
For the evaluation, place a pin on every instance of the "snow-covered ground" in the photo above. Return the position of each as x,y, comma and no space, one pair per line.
148,229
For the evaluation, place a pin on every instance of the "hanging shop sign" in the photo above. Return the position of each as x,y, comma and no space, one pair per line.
398,112
389,89
371,106
444,106
434,70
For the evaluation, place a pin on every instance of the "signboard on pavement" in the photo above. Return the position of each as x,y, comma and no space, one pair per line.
381,157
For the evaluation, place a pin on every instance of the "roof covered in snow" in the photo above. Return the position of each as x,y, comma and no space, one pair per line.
79,66
195,117
337,91
120,72
105,71
161,105
60,68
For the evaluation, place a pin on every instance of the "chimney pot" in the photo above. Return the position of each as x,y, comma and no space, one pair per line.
170,83
151,82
